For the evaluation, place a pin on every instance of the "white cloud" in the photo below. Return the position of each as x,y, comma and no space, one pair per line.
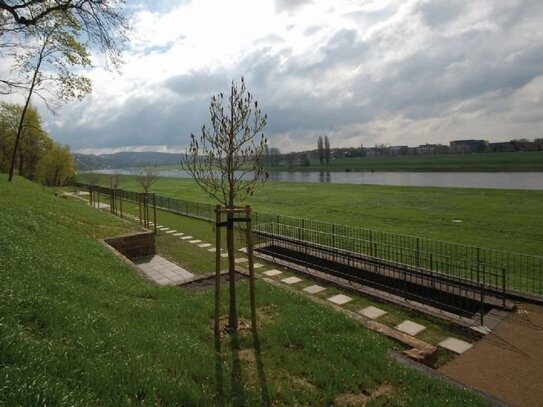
393,72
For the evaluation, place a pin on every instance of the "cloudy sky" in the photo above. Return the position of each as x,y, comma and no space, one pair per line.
369,71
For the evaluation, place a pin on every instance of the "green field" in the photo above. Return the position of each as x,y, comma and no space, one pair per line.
509,220
78,327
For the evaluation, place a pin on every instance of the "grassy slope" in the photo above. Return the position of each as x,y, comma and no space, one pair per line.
78,327
501,219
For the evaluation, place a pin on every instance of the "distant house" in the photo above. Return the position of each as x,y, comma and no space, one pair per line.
468,146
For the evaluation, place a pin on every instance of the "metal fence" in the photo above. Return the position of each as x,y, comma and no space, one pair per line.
520,273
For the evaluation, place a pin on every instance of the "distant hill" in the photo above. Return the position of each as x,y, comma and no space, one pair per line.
126,159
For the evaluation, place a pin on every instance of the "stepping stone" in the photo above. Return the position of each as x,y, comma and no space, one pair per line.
273,272
178,234
186,237
224,255
241,260
257,265
340,299
243,250
410,328
163,228
314,289
213,249
158,226
204,245
171,231
291,280
455,345
195,241
372,312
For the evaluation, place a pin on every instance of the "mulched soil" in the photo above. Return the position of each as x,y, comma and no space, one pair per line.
507,363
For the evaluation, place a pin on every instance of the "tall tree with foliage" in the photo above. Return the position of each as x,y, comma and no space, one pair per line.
320,149
58,50
101,25
227,162
327,149
34,139
57,166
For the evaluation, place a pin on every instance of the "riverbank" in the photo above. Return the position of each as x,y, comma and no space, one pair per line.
519,161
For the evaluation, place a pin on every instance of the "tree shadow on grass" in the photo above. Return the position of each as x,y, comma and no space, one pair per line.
236,376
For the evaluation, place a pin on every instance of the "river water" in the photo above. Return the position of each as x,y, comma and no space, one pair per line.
501,180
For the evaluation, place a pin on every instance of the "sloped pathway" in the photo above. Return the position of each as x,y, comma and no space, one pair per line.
508,362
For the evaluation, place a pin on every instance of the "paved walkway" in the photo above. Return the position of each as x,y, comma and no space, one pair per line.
162,271
507,363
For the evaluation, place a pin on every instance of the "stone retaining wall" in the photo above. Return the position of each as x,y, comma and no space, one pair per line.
134,245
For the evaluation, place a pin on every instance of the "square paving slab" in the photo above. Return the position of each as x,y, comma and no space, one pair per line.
243,250
171,231
455,345
314,289
224,255
372,312
186,237
340,299
241,260
213,249
273,272
178,234
162,271
257,265
291,280
204,245
195,241
410,328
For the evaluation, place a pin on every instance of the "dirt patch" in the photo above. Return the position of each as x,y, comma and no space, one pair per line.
362,399
207,281
244,326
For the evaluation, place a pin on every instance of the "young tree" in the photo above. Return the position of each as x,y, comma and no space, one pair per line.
226,161
327,149
147,176
320,150
56,48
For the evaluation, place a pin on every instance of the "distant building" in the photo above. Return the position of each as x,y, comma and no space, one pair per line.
398,150
468,146
500,147
432,149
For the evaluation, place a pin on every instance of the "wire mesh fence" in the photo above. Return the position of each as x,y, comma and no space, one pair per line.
517,272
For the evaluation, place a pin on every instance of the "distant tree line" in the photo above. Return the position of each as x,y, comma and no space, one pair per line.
38,157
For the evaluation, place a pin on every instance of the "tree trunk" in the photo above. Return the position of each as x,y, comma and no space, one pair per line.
233,313
23,113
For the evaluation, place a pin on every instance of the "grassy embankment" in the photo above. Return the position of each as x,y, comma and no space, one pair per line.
520,161
79,327
510,220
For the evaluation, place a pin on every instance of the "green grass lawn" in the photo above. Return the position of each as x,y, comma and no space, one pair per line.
79,327
510,220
